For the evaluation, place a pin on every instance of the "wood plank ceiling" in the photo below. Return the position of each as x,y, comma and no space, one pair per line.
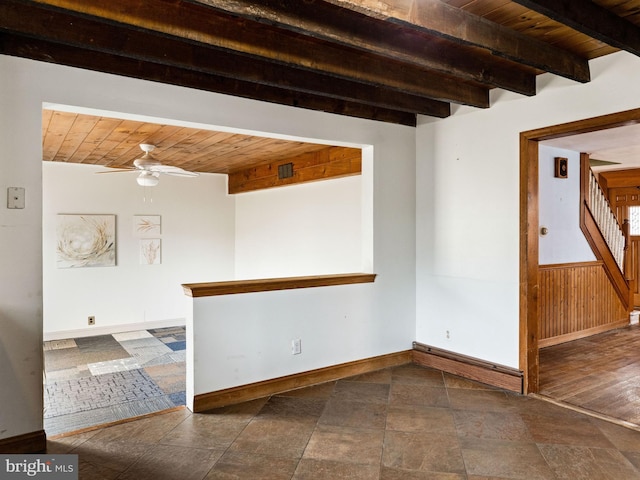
250,161
384,60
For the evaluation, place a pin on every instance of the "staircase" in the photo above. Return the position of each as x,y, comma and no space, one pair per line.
609,241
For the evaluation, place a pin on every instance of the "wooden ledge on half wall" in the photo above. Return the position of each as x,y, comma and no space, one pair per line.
211,289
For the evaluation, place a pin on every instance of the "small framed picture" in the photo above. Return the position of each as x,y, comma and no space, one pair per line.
561,167
86,241
146,225
150,251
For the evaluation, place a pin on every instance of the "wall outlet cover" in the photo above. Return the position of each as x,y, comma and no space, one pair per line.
15,197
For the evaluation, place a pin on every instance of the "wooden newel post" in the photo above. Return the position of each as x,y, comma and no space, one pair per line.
628,268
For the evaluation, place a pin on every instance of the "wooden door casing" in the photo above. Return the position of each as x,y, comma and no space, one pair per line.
620,199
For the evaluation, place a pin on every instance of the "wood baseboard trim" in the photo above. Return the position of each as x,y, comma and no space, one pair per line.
468,367
34,442
116,422
110,329
568,337
243,393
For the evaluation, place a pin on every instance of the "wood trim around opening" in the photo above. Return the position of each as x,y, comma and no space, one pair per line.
529,307
269,284
529,140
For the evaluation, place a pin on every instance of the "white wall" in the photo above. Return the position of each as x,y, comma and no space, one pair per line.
335,325
306,229
197,242
20,256
207,235
24,87
559,210
468,200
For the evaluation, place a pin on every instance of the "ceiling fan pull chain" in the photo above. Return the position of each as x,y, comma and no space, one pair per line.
144,196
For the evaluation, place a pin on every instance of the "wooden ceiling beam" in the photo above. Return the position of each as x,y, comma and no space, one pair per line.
591,19
41,50
201,24
326,21
53,26
441,19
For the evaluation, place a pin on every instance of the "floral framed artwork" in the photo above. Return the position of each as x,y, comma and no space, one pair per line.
146,225
86,241
150,251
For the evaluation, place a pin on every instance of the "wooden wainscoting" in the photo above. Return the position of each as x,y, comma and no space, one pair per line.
577,300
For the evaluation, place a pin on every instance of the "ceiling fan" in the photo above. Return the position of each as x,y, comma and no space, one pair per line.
150,168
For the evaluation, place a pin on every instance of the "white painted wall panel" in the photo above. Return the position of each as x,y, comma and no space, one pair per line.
335,325
306,229
197,242
559,201
468,198
20,257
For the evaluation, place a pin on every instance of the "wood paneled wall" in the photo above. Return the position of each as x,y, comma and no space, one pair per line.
331,162
577,300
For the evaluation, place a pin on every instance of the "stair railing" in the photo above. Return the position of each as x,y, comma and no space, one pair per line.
606,220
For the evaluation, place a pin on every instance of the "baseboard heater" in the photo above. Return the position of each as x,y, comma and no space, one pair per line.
468,367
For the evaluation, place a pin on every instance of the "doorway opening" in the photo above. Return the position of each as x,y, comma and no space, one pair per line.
204,231
529,230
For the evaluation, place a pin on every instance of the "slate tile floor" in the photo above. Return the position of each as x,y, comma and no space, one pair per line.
97,380
402,423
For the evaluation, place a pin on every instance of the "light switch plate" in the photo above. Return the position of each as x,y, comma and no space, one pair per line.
15,197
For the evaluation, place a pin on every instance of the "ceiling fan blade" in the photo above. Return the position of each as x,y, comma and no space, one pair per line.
181,174
119,170
150,169
170,170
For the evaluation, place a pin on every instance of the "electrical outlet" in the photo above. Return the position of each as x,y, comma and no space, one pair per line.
91,320
296,346
448,335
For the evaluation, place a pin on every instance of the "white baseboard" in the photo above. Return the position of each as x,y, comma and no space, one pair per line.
107,330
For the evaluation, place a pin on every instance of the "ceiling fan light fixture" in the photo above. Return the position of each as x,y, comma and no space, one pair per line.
147,179
146,161
150,169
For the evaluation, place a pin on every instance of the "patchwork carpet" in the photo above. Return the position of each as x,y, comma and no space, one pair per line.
96,380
